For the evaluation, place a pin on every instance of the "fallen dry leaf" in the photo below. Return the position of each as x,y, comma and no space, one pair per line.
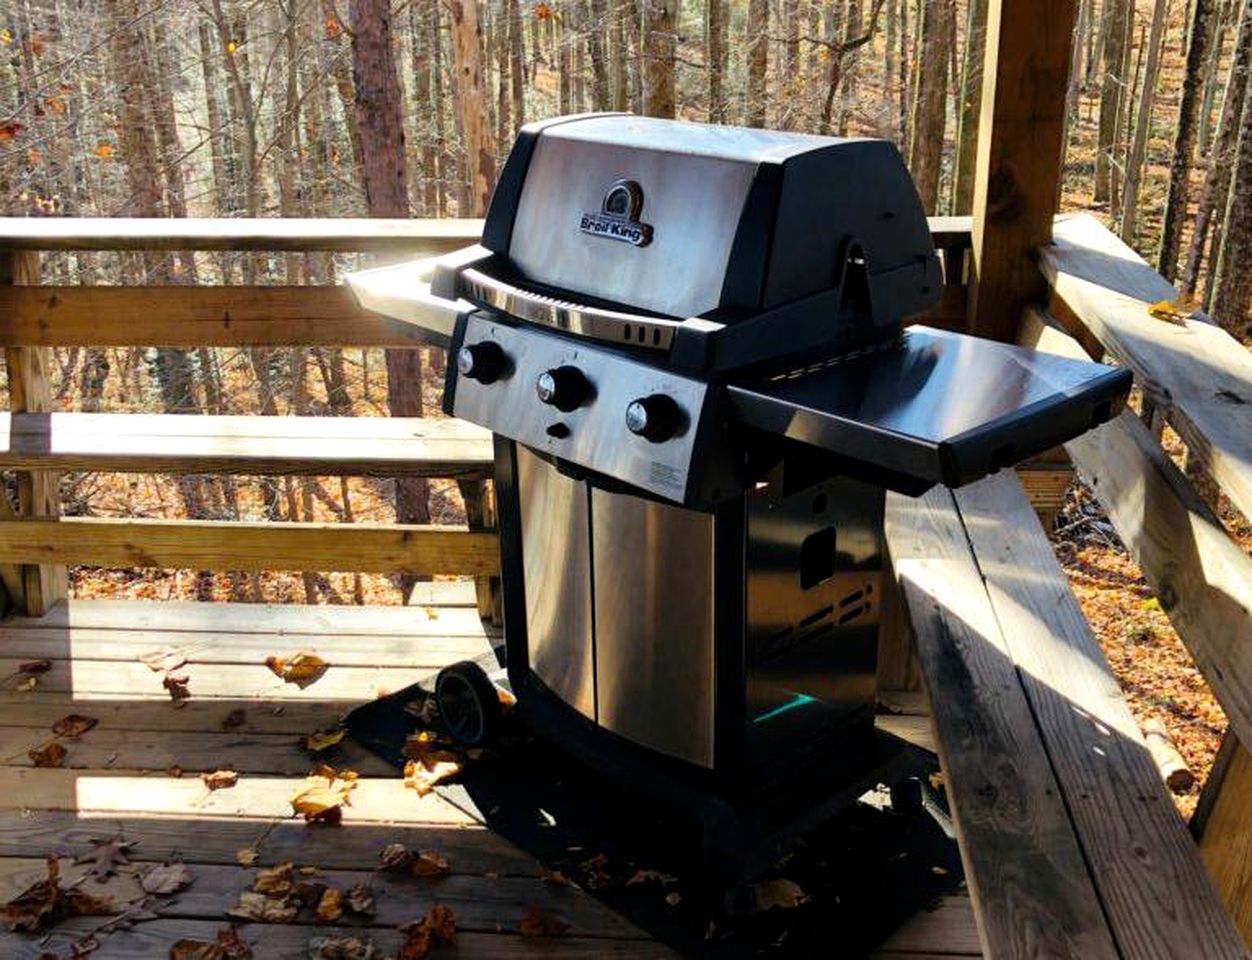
1177,311
309,893
176,684
673,898
596,875
330,907
538,922
174,770
27,684
106,855
342,948
220,779
430,865
302,669
650,876
275,880
257,906
782,893
324,794
437,927
49,755
324,739
394,857
228,945
236,718
165,879
163,660
74,725
429,764
555,878
361,899
46,901
246,856
32,667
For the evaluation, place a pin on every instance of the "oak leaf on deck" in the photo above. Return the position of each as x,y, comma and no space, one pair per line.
106,855
46,901
302,669
538,922
73,725
49,755
228,945
437,927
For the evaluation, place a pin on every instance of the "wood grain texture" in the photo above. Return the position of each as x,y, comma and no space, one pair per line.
1156,895
1226,838
1018,162
1031,891
280,446
1202,578
212,316
214,545
379,235
35,588
1195,372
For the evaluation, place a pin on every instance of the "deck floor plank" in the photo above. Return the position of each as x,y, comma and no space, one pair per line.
114,782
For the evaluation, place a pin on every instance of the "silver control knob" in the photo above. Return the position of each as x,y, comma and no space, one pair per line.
563,387
655,418
485,361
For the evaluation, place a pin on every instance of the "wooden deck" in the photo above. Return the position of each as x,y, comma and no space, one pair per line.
117,781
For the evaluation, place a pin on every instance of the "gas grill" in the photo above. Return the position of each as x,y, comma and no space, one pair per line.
689,344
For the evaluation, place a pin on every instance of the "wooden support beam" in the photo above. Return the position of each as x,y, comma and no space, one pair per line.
1192,370
266,316
1018,167
214,545
279,446
1030,886
346,234
38,492
1225,830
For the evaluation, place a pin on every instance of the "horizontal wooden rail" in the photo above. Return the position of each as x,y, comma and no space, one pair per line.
1198,375
212,316
294,446
214,545
355,234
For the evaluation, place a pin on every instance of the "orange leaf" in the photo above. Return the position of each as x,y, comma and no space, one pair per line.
10,129
104,149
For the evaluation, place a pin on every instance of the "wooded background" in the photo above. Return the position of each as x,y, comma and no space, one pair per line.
330,108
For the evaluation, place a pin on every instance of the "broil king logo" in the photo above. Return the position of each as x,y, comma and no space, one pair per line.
618,218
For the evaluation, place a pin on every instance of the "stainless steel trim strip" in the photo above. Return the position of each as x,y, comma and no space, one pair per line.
594,323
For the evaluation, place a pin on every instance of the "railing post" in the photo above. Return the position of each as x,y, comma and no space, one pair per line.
38,493
480,514
1223,827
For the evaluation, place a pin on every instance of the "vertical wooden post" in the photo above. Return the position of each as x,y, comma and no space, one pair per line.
1020,145
38,492
1223,827
480,514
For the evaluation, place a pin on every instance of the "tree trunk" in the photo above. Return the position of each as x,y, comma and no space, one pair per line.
1202,30
930,101
597,31
517,72
620,46
971,106
500,39
467,58
377,103
659,44
1134,164
1232,300
758,61
1116,31
1217,180
715,23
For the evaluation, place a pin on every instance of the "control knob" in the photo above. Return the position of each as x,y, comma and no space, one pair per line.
655,418
563,387
484,361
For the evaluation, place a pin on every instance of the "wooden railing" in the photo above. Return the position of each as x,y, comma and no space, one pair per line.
42,445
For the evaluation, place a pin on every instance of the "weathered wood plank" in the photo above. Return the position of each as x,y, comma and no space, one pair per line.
1193,371
140,712
1226,832
279,446
1018,163
948,923
1202,578
470,850
1030,887
229,545
482,904
267,316
343,234
286,942
1157,898
96,679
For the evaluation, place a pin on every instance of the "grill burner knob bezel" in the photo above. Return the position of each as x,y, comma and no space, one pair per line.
565,387
656,417
484,361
